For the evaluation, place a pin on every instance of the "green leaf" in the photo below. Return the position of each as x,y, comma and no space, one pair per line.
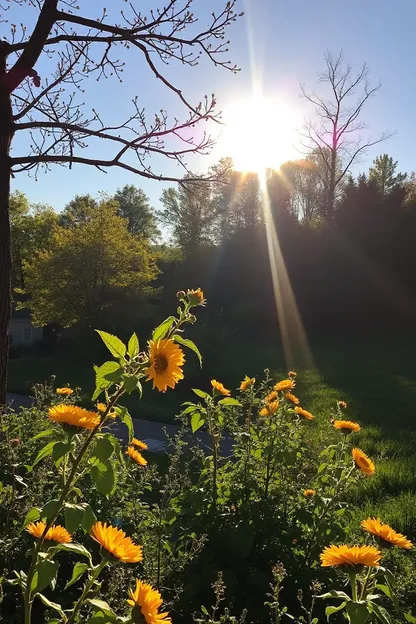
126,419
104,477
229,401
74,548
358,612
103,449
381,613
50,509
162,329
130,383
133,346
116,347
44,434
385,589
330,610
322,468
197,420
190,345
204,610
44,452
53,605
31,516
410,618
46,571
335,594
59,451
74,515
201,393
189,410
103,607
77,572
89,518
109,371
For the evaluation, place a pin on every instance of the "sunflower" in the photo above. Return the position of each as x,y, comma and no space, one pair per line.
64,391
270,408
302,412
342,404
346,426
139,444
285,384
350,556
218,386
73,415
363,462
55,533
247,383
292,374
136,456
165,361
386,533
272,396
116,542
147,601
310,492
196,297
292,397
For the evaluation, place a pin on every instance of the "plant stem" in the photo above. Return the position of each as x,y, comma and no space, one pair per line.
367,578
87,588
353,581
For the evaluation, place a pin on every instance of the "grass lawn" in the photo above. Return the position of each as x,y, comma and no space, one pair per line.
378,381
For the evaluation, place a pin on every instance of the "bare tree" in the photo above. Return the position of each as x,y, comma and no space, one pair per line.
50,111
336,133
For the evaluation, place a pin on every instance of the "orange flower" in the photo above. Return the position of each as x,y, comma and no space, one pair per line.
386,533
270,408
363,462
139,444
350,556
55,533
136,456
301,412
64,391
292,397
220,388
310,492
247,383
271,397
196,297
73,415
292,374
116,542
165,361
346,426
147,601
285,384
342,404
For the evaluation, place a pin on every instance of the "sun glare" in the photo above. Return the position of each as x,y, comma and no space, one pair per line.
259,133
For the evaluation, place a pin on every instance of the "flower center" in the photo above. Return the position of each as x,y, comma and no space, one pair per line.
161,363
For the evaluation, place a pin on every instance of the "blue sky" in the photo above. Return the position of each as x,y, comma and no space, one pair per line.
276,44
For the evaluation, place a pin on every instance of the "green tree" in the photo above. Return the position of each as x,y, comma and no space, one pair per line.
383,174
96,274
78,211
134,205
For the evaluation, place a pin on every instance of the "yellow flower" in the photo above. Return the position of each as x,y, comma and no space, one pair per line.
270,408
196,297
64,391
285,384
302,412
292,398
136,456
73,415
55,533
350,556
101,407
165,361
139,444
271,397
386,533
363,462
220,388
292,374
247,382
148,601
116,542
342,404
346,426
310,492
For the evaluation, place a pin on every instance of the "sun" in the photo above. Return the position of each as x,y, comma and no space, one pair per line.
259,133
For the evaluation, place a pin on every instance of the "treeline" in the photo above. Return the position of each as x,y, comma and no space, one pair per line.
105,262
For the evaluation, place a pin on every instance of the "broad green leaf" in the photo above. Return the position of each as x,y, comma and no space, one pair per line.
77,572
197,420
201,393
59,451
104,607
44,452
335,594
381,613
31,516
410,618
76,549
385,589
189,410
46,571
130,383
228,402
113,344
204,610
89,518
162,329
103,449
358,612
52,605
126,419
44,434
109,371
133,346
190,345
50,509
104,478
330,610
74,515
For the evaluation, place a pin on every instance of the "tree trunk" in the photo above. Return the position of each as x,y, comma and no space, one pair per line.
331,188
6,133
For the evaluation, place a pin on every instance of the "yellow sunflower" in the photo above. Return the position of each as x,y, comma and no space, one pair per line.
139,444
272,396
363,462
136,456
292,374
73,415
292,397
346,426
218,386
270,408
386,533
165,361
55,533
196,297
310,492
350,556
285,384
148,601
247,383
116,542
64,391
302,412
342,404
